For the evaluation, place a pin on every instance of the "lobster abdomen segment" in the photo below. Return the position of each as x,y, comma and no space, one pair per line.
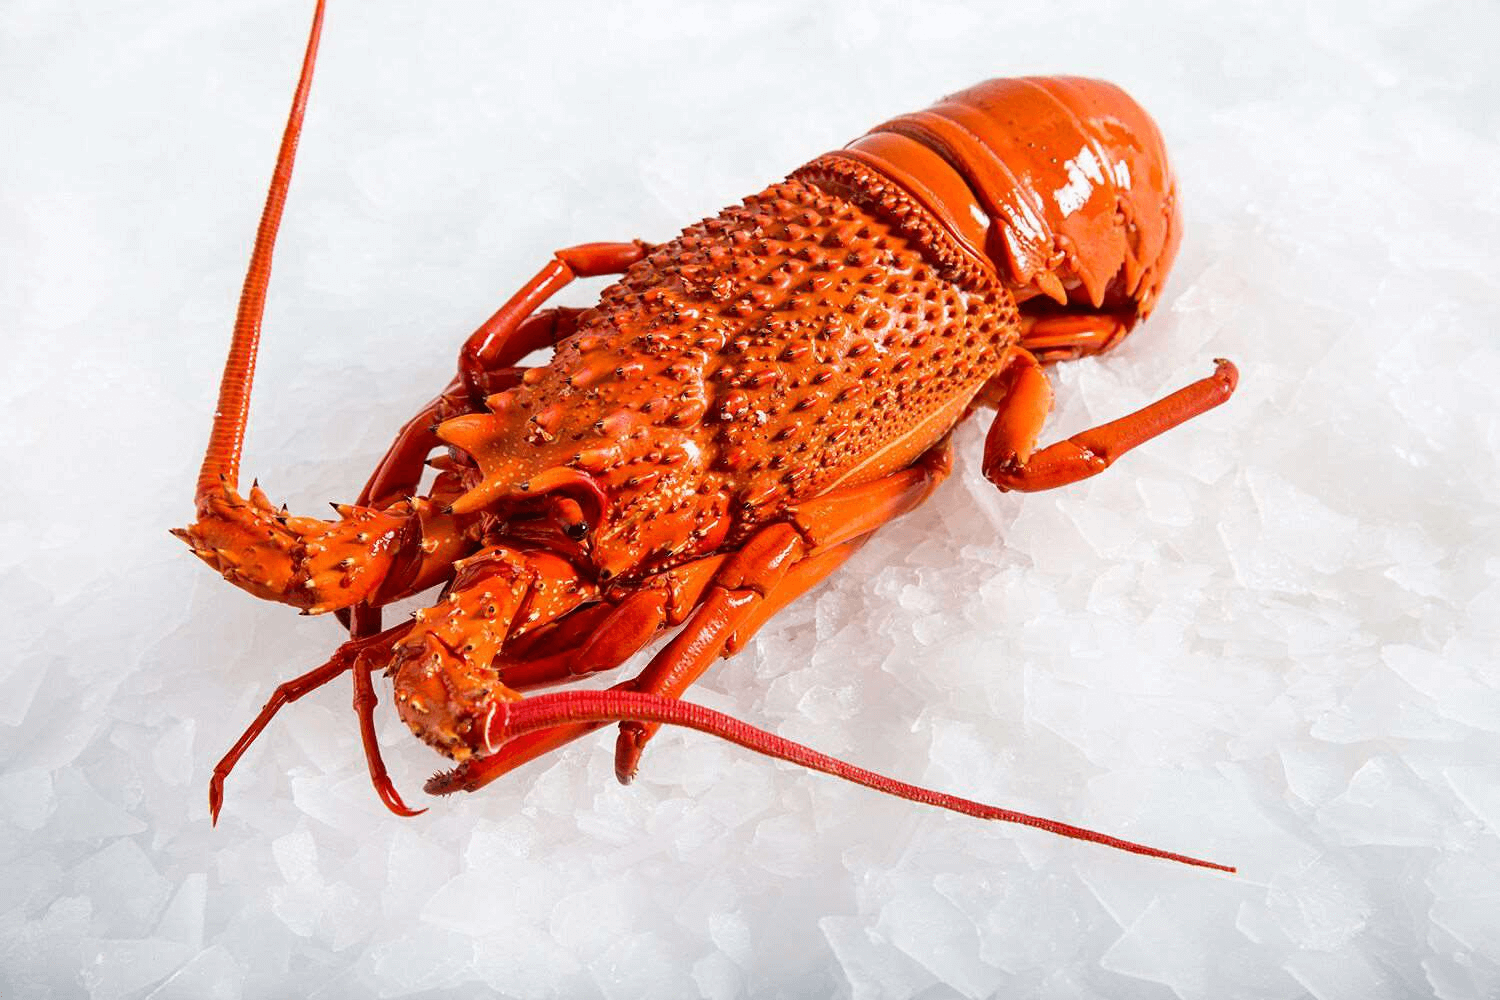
1059,185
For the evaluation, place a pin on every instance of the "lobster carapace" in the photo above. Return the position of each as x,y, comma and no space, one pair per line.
736,415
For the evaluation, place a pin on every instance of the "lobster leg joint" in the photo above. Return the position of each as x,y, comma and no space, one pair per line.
1010,464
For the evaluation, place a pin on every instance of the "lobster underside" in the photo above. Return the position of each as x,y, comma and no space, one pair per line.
746,404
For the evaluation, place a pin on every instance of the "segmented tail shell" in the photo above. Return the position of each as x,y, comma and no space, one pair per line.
1059,186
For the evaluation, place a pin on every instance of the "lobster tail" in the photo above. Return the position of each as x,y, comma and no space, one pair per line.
1057,186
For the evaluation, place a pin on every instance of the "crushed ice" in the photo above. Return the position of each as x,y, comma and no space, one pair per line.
1268,638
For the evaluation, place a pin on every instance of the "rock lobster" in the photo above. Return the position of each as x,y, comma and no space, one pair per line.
726,427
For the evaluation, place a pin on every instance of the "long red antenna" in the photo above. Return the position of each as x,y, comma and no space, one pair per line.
516,718
221,463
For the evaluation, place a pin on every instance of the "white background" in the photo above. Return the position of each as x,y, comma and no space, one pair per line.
1268,638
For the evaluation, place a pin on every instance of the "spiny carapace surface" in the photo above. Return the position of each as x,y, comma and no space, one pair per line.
766,357
731,421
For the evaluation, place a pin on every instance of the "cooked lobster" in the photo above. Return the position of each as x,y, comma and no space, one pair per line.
740,410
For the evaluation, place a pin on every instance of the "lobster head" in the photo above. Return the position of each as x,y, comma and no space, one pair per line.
596,455
1057,186
547,469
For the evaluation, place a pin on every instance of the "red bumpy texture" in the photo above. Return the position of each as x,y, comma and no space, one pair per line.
793,344
736,415
837,325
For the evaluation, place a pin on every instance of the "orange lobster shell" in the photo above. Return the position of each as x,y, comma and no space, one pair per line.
740,410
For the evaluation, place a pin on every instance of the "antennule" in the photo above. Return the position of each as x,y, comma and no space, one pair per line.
221,462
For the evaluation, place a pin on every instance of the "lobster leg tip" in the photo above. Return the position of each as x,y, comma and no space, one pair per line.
628,748
393,800
1227,371
215,800
449,782
403,810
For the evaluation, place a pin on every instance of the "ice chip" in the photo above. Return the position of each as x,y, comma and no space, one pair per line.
83,814
873,967
27,798
642,965
212,974
1478,788
296,855
173,755
929,928
126,889
1349,975
114,970
718,978
1385,804
1320,907
182,920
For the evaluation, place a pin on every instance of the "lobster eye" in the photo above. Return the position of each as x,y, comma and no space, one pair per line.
569,517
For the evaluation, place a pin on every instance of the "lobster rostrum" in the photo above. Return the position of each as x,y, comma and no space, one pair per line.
743,407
